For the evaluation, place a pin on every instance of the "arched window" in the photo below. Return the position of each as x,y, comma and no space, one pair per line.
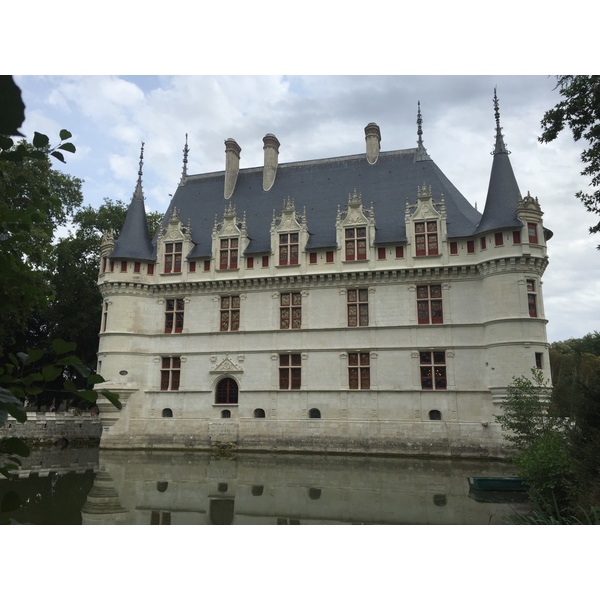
259,413
314,493
435,415
161,486
226,414
314,413
227,392
167,412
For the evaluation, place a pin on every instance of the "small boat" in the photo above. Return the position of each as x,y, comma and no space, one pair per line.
496,484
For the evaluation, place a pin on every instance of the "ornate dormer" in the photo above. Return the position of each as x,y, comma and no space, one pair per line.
289,234
426,223
355,228
229,239
530,213
174,242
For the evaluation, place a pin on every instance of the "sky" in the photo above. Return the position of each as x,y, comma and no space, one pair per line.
324,116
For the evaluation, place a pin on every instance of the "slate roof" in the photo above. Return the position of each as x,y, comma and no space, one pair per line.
321,186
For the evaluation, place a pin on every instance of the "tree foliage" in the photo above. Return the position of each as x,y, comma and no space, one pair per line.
579,110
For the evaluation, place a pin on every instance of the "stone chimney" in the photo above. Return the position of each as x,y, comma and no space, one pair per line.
232,166
372,137
271,148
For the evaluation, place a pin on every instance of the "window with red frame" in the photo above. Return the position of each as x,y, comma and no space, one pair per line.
429,304
192,266
312,258
399,251
112,266
250,262
359,371
356,243
207,265
137,267
470,247
174,315
230,313
358,307
105,316
170,373
173,257
226,392
123,266
151,269
381,253
516,237
453,247
532,232
483,243
288,248
499,239
329,256
426,238
290,371
290,310
265,261
104,264
228,254
433,370
531,298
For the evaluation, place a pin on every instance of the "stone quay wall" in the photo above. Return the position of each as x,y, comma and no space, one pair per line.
54,428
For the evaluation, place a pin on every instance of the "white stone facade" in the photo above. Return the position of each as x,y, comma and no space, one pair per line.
334,353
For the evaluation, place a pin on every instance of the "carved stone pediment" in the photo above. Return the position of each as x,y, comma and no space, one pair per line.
227,366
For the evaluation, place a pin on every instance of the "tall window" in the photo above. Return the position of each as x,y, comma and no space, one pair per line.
173,252
228,257
170,372
356,243
433,370
230,313
288,248
105,316
470,246
227,392
150,268
359,371
532,233
123,266
531,298
516,237
174,315
290,310
426,238
429,304
290,371
358,307
499,239
453,247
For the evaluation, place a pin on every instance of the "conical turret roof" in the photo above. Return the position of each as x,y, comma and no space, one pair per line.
134,239
503,192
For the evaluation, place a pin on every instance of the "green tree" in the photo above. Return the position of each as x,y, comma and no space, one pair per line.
580,111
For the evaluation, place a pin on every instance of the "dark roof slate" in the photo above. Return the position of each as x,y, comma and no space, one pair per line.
134,239
321,186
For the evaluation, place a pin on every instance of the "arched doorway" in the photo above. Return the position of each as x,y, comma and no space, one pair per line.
227,392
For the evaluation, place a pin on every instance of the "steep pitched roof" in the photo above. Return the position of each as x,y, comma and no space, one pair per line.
503,192
134,239
321,186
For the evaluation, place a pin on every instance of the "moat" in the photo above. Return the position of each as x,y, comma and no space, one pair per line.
90,486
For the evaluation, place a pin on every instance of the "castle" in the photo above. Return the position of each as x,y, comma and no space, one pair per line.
349,304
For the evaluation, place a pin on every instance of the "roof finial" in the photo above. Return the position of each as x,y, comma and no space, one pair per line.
421,151
139,194
500,147
185,161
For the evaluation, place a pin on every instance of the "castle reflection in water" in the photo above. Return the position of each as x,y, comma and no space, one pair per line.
166,488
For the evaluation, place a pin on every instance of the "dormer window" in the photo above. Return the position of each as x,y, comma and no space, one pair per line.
426,238
173,251
228,257
288,248
356,243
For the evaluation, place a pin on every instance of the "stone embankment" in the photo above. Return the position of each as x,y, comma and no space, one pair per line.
60,429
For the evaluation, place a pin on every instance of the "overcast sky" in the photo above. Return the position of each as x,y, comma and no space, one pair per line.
324,116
